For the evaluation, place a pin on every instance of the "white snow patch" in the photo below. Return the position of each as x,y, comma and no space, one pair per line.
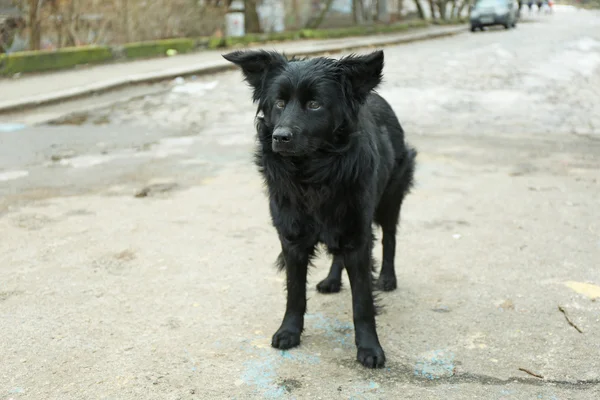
12,175
586,44
86,161
195,88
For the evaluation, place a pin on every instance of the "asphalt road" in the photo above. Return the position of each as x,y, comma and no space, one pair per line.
172,294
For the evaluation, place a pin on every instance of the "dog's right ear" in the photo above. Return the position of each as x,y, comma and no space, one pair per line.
255,64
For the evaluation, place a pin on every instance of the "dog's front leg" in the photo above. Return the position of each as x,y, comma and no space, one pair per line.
296,263
358,264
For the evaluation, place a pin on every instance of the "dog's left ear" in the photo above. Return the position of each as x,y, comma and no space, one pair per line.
364,73
255,65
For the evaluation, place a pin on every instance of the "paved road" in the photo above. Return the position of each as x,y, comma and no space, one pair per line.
44,88
172,295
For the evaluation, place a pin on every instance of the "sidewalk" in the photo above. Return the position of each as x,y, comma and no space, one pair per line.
39,89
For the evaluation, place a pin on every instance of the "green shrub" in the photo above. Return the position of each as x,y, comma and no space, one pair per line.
36,61
64,58
244,40
157,47
453,21
202,42
360,30
282,36
215,43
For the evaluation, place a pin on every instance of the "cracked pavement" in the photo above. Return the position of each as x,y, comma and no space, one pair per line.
172,294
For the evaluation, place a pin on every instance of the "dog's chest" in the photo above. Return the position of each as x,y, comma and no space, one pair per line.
331,213
315,200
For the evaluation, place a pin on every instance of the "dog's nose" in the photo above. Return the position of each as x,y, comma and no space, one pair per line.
282,135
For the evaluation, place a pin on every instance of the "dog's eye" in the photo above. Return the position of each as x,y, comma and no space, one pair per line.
313,105
280,104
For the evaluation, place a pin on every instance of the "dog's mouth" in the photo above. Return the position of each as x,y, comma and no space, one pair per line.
284,149
285,153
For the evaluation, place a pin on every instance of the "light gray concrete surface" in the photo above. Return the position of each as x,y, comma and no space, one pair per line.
40,89
104,295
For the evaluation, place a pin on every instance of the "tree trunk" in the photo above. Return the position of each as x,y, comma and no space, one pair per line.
70,38
58,22
420,9
296,12
462,6
126,23
453,10
251,22
375,9
35,25
442,8
322,15
399,8
368,13
432,9
357,11
383,14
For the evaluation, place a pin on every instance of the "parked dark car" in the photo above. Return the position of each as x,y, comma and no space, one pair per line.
494,12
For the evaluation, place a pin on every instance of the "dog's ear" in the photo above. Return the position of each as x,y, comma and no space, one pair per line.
363,73
255,64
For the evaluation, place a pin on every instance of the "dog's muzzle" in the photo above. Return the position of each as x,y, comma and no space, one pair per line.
282,140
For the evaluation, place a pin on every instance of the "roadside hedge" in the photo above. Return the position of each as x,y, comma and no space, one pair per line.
37,61
157,47
361,30
316,34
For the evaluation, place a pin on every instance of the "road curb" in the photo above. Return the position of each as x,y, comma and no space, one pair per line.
220,65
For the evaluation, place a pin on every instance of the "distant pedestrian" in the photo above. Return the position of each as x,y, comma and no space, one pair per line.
539,4
530,4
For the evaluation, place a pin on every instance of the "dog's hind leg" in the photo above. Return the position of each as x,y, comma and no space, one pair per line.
333,282
387,216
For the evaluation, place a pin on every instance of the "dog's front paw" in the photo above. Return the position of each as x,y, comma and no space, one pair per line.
386,283
329,286
371,357
285,339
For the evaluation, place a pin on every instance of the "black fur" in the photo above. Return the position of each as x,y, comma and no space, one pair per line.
334,160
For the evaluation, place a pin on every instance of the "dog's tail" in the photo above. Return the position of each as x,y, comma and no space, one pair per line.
407,168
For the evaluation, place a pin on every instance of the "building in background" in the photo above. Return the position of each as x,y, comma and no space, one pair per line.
11,23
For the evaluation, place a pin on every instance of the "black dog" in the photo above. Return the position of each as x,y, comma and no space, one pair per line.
333,156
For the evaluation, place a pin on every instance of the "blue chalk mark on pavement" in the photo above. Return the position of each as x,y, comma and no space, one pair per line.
11,127
365,390
262,374
341,332
435,365
261,371
302,357
191,360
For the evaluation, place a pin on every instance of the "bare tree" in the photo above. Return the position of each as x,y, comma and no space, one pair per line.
442,7
368,12
432,9
126,22
358,12
461,7
35,23
420,9
319,20
399,8
383,14
251,23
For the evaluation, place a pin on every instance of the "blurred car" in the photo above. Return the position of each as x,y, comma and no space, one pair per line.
494,12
